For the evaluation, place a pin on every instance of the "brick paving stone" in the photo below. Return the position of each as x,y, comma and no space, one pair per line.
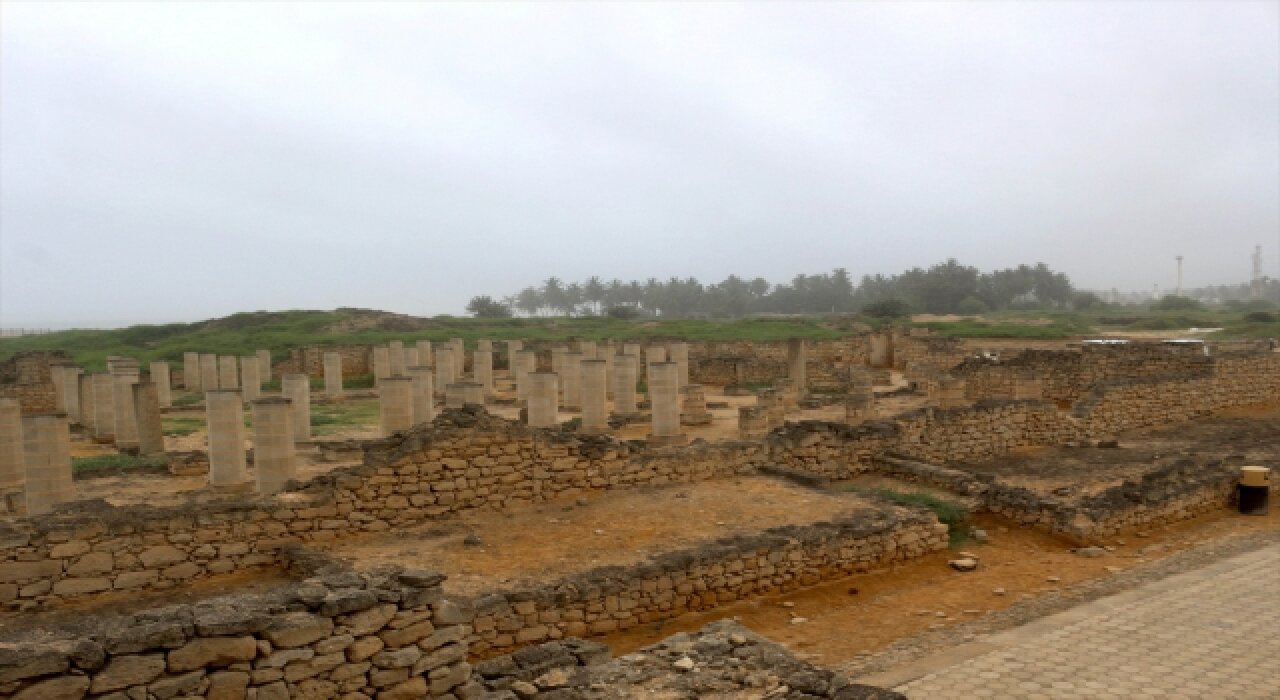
1210,633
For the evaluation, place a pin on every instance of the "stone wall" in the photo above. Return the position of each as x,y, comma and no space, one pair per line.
388,633
34,398
357,360
828,366
31,366
675,583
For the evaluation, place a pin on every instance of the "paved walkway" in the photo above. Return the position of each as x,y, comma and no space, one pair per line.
1209,633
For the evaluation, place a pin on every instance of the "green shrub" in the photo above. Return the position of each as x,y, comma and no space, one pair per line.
972,306
954,515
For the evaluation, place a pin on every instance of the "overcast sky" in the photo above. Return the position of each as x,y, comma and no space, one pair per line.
180,161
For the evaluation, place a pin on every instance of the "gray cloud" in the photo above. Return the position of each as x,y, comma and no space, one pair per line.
173,162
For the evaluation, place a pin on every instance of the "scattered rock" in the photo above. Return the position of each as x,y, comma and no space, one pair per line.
684,663
966,564
1053,579
980,536
998,591
799,620
1090,551
471,540
581,500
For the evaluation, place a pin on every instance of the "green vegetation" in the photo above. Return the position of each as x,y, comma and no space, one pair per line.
182,425
955,515
106,465
331,418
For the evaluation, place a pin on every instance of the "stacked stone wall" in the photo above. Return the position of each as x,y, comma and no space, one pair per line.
670,585
34,398
357,360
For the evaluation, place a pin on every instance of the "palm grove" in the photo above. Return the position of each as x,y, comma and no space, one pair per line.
944,288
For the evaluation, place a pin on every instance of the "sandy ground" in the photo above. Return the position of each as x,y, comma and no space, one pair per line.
545,542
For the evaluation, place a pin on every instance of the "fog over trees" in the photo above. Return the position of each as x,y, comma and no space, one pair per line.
944,288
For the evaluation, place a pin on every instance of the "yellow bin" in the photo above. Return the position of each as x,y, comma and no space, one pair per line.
1254,490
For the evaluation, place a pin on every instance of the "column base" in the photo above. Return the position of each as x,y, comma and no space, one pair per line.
667,439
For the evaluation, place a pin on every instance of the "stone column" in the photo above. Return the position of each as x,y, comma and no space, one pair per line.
395,403
484,344
264,365
250,382
1026,385
625,369
482,369
160,376
275,459
631,349
860,403
571,378
769,402
12,470
786,389
664,403
410,358
88,410
59,380
424,353
381,364
679,354
797,369
104,414
543,411
606,352
652,356
693,408
395,357
557,367
191,371
472,394
526,362
588,349
424,399
595,413
224,411
126,434
208,372
228,376
146,409
333,374
513,347
459,358
297,388
444,367
46,457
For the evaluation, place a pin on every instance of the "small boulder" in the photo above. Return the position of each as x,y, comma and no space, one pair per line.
965,564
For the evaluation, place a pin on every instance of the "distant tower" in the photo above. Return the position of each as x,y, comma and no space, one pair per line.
1255,283
1179,291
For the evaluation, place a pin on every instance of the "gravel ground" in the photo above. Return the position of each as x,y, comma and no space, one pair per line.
911,648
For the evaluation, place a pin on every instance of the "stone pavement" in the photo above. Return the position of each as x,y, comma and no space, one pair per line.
1209,633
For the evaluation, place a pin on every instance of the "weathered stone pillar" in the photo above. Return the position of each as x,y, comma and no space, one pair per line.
297,388
652,356
588,349
753,422
1027,385
59,381
513,347
395,356
595,414
228,376
88,410
104,414
424,353
664,403
557,364
679,354
609,354
275,459
410,358
208,372
693,409
191,371
46,457
250,382
482,368
164,384
264,365
787,393
543,409
445,368
12,470
424,399
381,364
472,393
224,411
631,349
571,378
146,409
484,344
625,369
950,392
333,374
859,405
797,367
526,362
459,358
126,434
395,403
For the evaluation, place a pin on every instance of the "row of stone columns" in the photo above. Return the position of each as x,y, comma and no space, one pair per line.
207,371
275,433
35,459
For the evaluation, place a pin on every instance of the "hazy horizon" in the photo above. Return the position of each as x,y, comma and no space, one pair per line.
177,162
